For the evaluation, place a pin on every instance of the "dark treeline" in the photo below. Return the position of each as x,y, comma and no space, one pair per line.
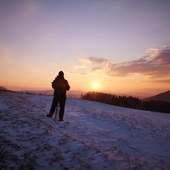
123,101
127,101
157,106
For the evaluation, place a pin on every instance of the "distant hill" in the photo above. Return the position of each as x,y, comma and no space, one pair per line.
160,97
70,93
3,88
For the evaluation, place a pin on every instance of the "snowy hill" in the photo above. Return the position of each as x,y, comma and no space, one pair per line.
93,136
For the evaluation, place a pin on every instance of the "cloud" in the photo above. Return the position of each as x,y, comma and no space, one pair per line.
79,67
97,60
155,65
84,60
97,68
93,60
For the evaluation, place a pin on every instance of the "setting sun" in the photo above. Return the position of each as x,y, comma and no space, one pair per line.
95,86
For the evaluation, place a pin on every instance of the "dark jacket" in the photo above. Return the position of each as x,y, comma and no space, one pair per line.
60,85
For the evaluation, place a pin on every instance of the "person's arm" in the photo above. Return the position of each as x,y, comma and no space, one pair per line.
67,85
53,84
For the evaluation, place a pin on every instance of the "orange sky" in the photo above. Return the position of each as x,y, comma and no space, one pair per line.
122,46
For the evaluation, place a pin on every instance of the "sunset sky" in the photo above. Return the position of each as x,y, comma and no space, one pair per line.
121,45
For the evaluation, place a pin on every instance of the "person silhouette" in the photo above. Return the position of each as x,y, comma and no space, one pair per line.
60,86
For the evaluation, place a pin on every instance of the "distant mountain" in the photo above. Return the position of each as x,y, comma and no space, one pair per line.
161,97
140,95
70,93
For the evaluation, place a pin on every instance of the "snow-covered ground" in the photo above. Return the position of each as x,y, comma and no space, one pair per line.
93,136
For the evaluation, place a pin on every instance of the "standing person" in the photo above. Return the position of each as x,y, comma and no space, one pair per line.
60,86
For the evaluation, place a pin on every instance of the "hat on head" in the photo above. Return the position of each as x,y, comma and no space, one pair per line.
61,74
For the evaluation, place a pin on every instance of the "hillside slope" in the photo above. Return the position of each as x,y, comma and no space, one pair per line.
93,136
160,97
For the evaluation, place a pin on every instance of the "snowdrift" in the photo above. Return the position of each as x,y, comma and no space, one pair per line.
93,136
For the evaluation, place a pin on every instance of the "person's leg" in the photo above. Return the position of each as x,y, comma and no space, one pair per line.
62,106
53,106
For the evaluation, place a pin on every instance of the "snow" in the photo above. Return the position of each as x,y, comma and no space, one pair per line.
93,136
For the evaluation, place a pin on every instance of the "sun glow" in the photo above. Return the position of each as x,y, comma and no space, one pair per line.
95,86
